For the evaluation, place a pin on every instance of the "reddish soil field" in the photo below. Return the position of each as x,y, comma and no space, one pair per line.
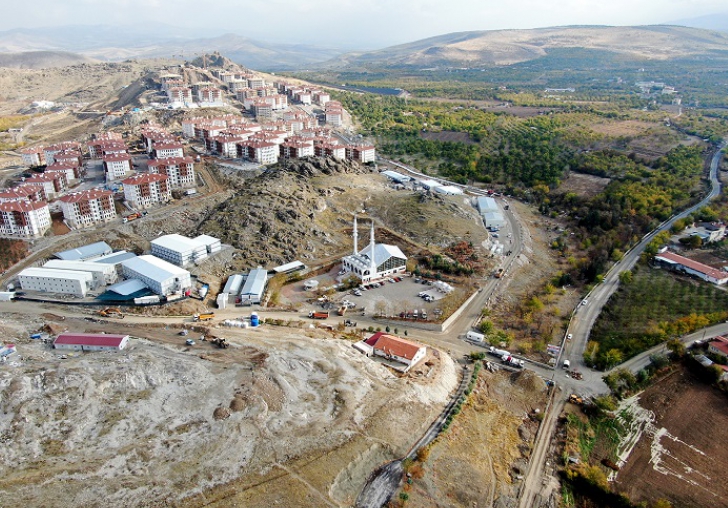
682,456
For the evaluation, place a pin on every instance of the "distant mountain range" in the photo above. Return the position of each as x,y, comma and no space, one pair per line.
464,49
103,42
41,59
712,22
507,47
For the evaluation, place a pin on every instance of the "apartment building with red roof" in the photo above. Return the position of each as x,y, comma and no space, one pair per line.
53,184
117,166
88,208
179,170
33,157
24,219
145,190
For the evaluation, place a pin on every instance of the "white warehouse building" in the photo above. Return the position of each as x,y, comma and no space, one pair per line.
102,274
179,249
158,275
50,280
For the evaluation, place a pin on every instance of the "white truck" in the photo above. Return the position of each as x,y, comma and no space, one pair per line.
500,353
513,362
567,364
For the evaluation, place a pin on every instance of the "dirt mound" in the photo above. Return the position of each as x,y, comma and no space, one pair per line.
237,404
529,381
221,413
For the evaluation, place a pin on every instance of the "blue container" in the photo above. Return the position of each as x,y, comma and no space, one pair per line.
254,319
36,336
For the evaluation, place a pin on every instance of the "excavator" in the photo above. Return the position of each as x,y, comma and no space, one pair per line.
111,312
220,342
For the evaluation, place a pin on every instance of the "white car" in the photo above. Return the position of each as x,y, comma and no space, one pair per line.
568,337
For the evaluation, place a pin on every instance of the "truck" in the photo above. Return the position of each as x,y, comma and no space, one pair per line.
318,315
131,217
513,362
475,337
190,192
500,353
342,310
204,317
567,364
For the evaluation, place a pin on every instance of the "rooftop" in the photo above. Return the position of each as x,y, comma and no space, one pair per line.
90,339
672,258
393,345
92,250
154,268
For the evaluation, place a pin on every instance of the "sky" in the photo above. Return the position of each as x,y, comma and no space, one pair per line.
365,24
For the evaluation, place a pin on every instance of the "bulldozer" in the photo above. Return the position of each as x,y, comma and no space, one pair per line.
111,312
575,399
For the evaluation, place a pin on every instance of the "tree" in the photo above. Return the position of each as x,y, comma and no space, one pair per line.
486,327
590,353
676,347
626,277
613,357
662,503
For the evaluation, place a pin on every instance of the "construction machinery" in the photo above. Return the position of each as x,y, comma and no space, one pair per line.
220,342
111,312
575,399
342,310
204,317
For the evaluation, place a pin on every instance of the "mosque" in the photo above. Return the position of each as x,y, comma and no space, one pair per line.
375,261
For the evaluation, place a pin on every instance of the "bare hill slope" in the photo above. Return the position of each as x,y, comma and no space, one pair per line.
505,47
41,59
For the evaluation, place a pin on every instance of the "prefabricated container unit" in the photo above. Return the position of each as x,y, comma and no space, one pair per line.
475,337
103,274
56,281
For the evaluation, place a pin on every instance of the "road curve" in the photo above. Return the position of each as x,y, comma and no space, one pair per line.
586,315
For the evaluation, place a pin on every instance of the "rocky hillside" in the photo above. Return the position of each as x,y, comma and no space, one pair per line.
506,47
281,215
41,59
304,211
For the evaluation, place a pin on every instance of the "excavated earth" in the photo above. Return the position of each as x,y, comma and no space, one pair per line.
293,418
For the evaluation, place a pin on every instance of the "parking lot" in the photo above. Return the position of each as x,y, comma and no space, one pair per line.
398,297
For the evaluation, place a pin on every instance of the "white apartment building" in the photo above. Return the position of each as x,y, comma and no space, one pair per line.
52,184
33,157
52,150
87,208
23,192
167,149
361,153
117,166
24,219
295,149
56,281
330,150
262,152
146,189
70,171
179,170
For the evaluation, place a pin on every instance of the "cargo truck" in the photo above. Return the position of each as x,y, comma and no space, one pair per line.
500,353
513,362
204,317
318,315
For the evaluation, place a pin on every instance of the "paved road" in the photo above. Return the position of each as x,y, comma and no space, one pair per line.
583,319
586,315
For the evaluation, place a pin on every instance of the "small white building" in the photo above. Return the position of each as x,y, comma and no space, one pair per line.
49,280
179,250
90,342
394,349
212,244
158,275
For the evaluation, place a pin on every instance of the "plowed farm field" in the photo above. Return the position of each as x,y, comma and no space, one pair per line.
681,455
